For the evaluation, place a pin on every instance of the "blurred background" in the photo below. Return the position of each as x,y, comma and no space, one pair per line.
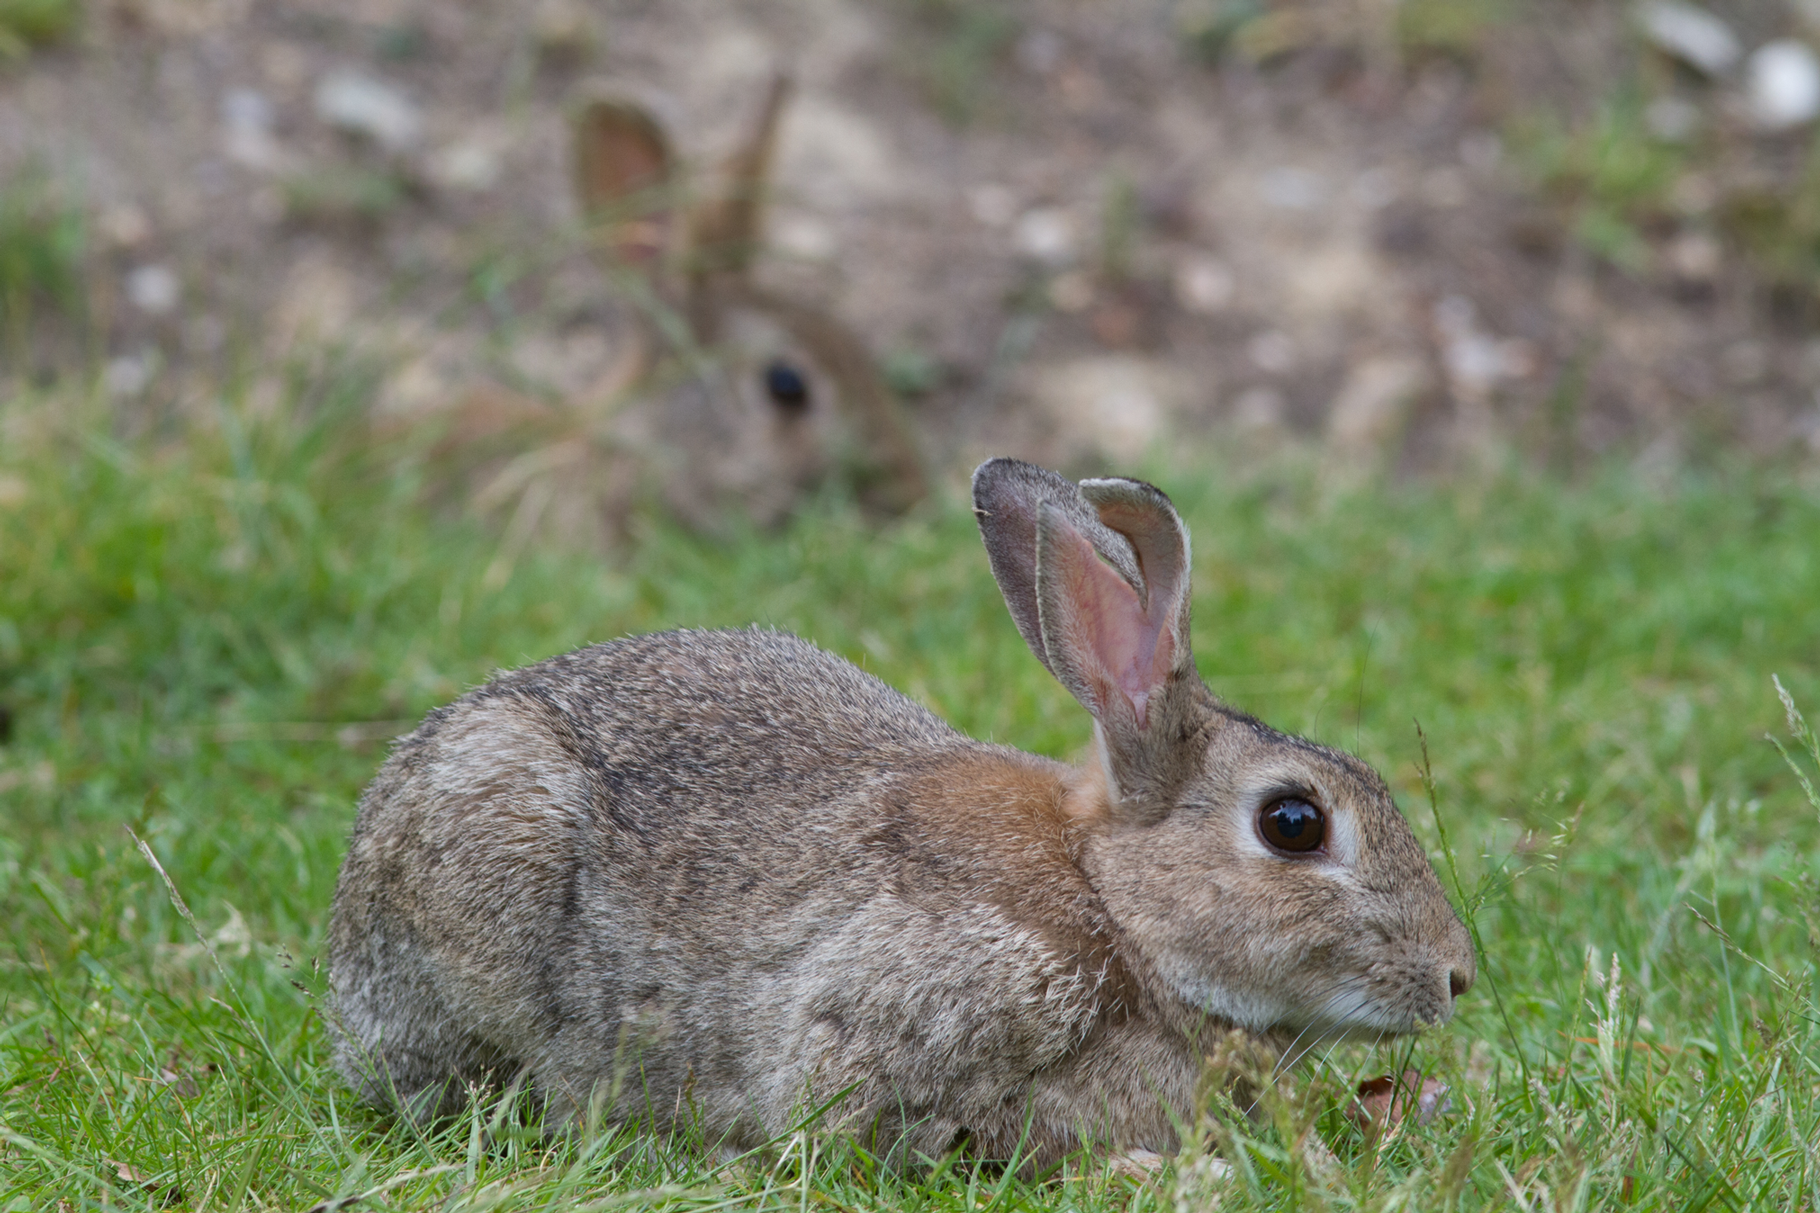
1475,339
1415,231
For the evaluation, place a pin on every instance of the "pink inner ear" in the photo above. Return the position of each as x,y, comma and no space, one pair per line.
1128,648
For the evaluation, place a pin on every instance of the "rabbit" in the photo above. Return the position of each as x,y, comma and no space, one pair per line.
706,880
731,399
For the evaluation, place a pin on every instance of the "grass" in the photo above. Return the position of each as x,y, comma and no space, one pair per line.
198,641
1611,176
42,250
959,47
1622,188
1409,31
25,24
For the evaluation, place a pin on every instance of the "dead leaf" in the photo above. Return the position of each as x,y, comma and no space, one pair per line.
164,1195
182,1084
1385,1101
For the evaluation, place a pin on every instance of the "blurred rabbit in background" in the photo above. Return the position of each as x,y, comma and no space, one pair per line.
730,400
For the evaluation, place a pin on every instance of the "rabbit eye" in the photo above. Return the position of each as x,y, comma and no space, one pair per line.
787,387
1292,825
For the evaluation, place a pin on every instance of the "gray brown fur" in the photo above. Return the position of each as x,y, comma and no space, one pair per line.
714,878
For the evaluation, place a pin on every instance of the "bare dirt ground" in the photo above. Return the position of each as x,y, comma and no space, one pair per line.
1063,227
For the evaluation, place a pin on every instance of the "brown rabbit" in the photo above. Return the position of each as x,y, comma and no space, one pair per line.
731,399
712,878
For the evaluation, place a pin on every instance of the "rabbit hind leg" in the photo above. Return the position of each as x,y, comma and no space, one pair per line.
400,1048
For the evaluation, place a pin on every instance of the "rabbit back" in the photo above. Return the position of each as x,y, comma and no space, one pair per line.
713,877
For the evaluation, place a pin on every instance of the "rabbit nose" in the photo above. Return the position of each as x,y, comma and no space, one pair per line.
1458,983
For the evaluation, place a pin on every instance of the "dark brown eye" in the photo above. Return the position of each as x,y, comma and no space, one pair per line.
787,387
1292,825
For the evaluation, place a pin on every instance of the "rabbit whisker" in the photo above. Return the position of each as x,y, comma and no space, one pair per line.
1289,1056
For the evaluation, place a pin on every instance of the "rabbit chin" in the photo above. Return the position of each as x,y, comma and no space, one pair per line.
1342,1015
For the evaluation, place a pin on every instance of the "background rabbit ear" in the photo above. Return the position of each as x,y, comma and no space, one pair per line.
1008,499
1114,640
724,230
624,178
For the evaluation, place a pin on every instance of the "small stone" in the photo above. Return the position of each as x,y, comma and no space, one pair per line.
468,166
1695,256
566,30
833,154
1477,361
802,237
247,109
1259,409
130,374
371,109
1112,406
992,205
317,303
247,121
1144,1166
1204,285
1048,235
1292,189
1783,85
1671,119
153,289
126,225
1272,351
1373,403
1691,34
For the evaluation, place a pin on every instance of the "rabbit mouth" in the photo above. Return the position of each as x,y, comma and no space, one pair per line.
1353,1014
1348,1012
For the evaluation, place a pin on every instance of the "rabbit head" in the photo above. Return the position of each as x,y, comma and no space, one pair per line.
744,399
1267,880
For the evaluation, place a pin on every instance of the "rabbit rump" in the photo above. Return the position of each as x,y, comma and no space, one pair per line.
710,879
731,399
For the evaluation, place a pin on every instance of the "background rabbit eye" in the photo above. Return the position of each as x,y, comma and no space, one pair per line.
787,387
1293,825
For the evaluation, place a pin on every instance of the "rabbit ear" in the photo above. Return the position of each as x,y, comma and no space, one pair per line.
724,230
624,177
1096,576
1009,496
1115,640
